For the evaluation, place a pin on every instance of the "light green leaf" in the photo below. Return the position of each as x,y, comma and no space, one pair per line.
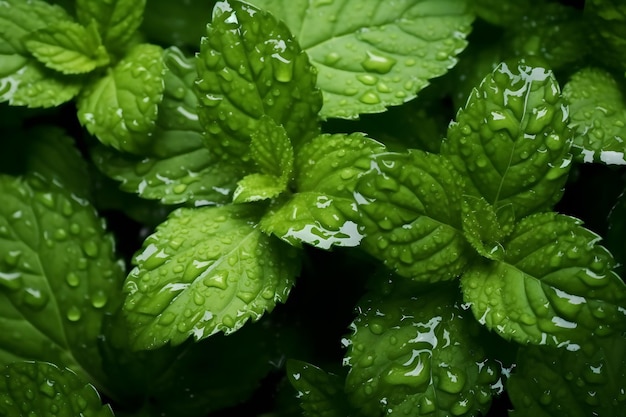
117,20
411,215
176,167
372,54
271,150
598,117
121,108
418,356
58,277
68,47
257,187
320,393
250,66
481,227
203,271
555,286
323,212
42,389
549,382
511,141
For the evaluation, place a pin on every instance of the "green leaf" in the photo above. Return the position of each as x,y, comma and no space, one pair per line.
598,117
257,187
41,389
549,382
205,270
502,13
482,228
608,40
371,55
411,215
121,108
320,393
176,167
58,277
250,66
323,212
511,141
117,20
418,355
68,47
616,233
555,285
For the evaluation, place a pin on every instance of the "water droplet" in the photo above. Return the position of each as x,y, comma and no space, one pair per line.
47,389
451,380
72,280
75,228
367,79
461,407
90,248
366,361
378,63
180,188
35,298
11,280
217,281
331,58
99,299
166,318
228,321
441,56
73,314
545,398
198,299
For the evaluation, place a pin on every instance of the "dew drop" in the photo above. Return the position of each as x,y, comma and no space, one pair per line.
11,280
73,314
72,279
34,298
180,188
217,281
369,97
47,389
99,299
198,299
380,64
367,79
166,318
451,380
331,58
228,321
90,248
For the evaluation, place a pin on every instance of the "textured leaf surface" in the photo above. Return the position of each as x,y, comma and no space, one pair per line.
411,216
41,389
511,140
598,117
320,393
205,270
176,167
417,356
372,54
121,108
323,212
482,228
249,66
502,13
58,277
608,18
555,285
116,20
549,382
68,47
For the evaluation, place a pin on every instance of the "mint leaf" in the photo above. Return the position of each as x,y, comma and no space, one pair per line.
176,167
257,187
555,285
502,13
320,393
417,355
371,55
597,115
482,228
205,270
249,66
608,39
40,388
120,108
68,47
511,140
411,216
117,20
58,277
549,382
323,212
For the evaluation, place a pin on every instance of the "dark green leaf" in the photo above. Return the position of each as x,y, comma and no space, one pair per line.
608,40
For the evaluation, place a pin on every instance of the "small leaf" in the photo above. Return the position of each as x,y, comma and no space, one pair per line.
323,212
555,286
411,216
598,117
121,108
418,356
271,149
117,20
205,270
58,276
377,54
68,47
250,66
257,187
511,141
175,167
549,382
320,393
41,389
481,227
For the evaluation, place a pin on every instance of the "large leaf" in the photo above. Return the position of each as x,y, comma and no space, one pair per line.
555,285
43,389
549,382
323,212
58,277
598,117
249,66
372,54
511,140
205,270
417,356
411,215
121,108
175,167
